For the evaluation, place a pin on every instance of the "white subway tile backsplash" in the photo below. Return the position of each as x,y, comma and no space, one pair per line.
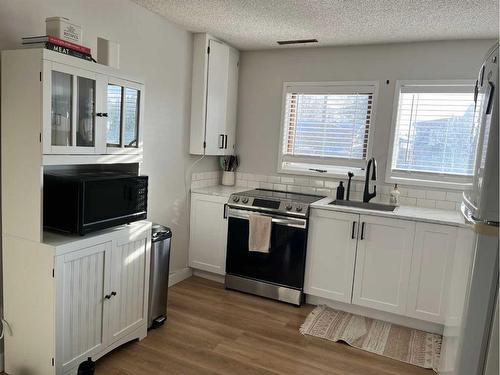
286,180
436,195
293,188
453,196
331,184
427,203
266,185
317,183
415,193
445,205
273,179
429,198
322,191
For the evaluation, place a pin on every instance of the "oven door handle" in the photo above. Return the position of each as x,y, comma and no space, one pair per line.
287,221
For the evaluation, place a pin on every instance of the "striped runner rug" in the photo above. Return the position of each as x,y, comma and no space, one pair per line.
404,344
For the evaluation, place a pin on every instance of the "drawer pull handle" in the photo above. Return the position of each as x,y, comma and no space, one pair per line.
353,229
363,230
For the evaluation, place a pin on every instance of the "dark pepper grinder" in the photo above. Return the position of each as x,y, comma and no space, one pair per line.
340,191
87,367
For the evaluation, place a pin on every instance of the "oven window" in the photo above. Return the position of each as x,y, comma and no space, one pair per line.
283,265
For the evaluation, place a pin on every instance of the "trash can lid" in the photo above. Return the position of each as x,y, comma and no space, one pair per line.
160,232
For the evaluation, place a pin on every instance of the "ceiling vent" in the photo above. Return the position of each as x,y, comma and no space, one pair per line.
299,41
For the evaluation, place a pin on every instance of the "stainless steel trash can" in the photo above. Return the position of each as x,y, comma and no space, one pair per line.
159,270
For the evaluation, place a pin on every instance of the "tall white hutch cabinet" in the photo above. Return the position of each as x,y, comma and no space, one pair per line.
67,297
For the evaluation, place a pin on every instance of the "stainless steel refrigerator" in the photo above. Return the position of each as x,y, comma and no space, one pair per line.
478,343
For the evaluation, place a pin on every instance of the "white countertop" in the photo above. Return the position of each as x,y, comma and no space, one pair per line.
219,190
428,215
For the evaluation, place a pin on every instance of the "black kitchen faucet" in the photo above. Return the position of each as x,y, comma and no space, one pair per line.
366,194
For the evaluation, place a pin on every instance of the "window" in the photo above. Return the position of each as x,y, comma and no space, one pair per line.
326,126
434,135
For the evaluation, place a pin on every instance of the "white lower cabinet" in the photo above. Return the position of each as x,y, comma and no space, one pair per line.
397,266
101,297
81,306
331,253
208,233
433,251
383,263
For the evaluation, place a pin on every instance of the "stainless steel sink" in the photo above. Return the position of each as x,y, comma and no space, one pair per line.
365,205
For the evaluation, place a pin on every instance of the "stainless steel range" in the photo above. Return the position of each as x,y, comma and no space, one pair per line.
278,274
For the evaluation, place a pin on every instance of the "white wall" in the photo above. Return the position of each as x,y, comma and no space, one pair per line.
155,50
262,74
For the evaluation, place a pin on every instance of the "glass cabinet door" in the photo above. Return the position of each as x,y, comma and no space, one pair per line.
72,111
85,131
61,111
123,116
131,117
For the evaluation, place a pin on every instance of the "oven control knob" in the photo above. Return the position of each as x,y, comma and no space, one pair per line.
298,209
288,207
236,198
245,200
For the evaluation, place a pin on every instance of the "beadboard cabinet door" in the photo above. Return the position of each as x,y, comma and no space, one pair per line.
331,254
383,263
208,233
433,251
84,280
128,301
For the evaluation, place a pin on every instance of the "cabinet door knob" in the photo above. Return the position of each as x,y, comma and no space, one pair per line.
113,293
107,296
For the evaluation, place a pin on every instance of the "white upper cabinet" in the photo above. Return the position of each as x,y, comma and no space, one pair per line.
214,96
433,251
88,112
331,253
383,263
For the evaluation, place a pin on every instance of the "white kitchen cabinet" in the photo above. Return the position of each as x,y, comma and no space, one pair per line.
89,293
432,259
87,112
214,96
85,109
208,233
82,281
128,310
383,263
331,254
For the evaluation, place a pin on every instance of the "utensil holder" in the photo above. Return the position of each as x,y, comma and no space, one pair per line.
228,178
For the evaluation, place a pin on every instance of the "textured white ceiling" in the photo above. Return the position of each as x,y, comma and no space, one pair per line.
258,24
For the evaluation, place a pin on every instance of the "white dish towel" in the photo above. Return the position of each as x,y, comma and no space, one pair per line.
259,233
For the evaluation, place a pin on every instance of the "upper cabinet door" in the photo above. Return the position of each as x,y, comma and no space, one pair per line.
217,97
69,110
383,263
232,100
431,265
124,103
331,254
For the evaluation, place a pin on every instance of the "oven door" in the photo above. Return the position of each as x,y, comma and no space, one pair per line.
283,265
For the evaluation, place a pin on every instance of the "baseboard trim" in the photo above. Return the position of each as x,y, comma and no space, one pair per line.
376,314
209,276
179,275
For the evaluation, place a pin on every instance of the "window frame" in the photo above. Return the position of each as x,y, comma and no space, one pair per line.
425,179
335,169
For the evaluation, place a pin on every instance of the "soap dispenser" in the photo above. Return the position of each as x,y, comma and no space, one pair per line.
340,191
394,195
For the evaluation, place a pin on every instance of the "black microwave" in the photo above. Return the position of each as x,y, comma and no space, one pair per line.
83,202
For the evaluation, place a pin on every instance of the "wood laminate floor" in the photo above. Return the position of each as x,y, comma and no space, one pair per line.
214,331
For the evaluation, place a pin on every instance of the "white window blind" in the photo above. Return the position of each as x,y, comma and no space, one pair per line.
435,134
327,125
